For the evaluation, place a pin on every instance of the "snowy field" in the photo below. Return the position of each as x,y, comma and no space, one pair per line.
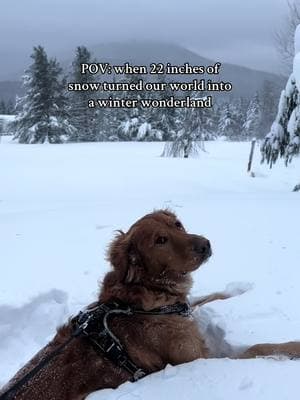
59,207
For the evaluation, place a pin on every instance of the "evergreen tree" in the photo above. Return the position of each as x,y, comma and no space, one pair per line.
188,139
253,119
42,114
7,108
132,121
3,107
10,107
228,125
284,138
240,111
164,119
83,118
209,122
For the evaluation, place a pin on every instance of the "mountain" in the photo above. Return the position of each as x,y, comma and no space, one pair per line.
246,81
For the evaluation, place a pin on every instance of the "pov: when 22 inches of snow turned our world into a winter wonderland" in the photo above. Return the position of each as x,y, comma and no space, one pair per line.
149,200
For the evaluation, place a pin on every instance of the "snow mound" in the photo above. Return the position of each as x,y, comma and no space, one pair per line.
238,288
25,330
214,380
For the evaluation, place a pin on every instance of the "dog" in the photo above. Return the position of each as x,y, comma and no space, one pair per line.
151,269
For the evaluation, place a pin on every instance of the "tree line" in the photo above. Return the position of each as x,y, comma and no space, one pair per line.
7,107
49,113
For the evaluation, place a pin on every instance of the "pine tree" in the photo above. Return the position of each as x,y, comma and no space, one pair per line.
83,118
10,107
188,139
209,122
42,114
240,113
284,138
3,109
132,121
164,119
253,119
228,124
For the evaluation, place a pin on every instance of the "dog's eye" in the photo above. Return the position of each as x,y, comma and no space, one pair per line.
161,240
178,224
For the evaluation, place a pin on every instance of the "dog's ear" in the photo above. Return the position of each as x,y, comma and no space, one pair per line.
124,258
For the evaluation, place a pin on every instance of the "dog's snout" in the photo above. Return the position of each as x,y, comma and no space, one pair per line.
202,246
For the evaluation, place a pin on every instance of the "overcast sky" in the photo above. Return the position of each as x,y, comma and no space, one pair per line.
236,31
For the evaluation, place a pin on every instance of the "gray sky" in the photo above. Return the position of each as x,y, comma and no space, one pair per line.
236,31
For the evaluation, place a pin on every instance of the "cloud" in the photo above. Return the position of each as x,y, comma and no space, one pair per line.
218,28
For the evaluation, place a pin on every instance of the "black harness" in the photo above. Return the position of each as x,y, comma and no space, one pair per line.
92,323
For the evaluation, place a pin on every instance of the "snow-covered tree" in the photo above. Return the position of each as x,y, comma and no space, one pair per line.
83,118
10,107
163,119
228,125
7,107
2,107
42,113
129,120
252,123
136,123
284,138
188,139
208,124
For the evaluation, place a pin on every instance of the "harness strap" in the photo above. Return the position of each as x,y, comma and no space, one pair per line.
182,309
11,392
93,324
96,329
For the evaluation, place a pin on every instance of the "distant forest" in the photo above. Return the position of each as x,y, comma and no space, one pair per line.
49,113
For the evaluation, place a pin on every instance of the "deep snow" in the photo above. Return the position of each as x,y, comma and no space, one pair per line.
59,206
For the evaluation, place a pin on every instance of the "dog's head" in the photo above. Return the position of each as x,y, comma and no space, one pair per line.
157,250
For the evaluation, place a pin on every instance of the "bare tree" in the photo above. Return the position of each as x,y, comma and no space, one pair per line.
284,36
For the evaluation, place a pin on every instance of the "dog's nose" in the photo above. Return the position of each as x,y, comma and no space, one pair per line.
202,246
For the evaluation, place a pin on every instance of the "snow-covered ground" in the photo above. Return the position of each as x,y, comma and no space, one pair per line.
60,205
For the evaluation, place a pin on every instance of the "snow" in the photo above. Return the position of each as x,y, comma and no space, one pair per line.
143,130
7,118
297,40
59,207
296,70
213,380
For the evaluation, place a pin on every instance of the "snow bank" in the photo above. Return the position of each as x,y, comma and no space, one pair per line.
24,330
214,380
59,207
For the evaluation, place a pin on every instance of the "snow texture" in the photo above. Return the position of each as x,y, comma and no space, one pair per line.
59,207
